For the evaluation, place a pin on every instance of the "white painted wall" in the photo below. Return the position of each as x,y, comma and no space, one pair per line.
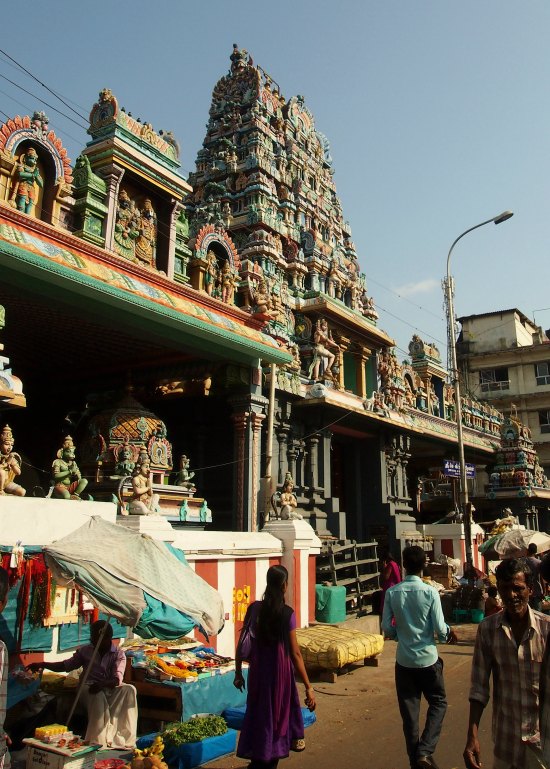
37,521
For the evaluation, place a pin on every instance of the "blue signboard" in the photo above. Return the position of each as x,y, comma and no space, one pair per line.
451,468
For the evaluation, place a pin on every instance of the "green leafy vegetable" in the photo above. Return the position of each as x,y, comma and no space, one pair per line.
194,730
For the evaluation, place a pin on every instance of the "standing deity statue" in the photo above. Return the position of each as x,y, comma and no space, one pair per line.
211,273
143,501
323,344
229,279
333,280
126,226
146,242
10,465
23,195
67,478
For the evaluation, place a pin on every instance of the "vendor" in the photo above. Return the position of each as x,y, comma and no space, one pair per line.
111,704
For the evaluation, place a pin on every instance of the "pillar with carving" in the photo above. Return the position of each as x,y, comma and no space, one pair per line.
113,176
282,433
248,415
361,358
177,207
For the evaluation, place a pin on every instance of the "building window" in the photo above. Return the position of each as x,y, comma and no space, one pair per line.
542,373
544,421
494,379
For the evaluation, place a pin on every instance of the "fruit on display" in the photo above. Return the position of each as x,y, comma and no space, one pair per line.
149,758
177,670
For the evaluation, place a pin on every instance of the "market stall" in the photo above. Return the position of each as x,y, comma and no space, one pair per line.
181,680
148,587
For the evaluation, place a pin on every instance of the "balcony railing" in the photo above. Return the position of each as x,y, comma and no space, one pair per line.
487,387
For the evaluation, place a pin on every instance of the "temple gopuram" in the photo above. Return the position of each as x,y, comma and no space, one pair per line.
199,348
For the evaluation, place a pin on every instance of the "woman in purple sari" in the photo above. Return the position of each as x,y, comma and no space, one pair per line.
273,723
391,575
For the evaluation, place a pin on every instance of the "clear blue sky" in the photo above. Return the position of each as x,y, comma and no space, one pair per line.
437,113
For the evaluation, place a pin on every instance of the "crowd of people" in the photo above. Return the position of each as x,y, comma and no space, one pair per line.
511,649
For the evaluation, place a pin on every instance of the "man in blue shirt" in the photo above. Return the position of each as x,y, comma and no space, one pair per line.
412,617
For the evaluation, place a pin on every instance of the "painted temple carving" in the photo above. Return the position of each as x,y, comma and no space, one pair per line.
254,241
10,465
35,171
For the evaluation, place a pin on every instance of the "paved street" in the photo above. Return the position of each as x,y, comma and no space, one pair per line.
358,724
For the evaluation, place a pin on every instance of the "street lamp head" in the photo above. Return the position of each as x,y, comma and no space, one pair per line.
503,217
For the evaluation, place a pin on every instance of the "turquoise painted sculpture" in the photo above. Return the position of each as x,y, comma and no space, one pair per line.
67,478
23,196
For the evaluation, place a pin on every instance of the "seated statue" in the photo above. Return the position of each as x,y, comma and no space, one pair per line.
184,476
143,501
67,478
10,465
125,464
284,506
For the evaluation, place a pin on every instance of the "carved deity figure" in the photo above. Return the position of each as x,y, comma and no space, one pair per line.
229,280
287,502
143,501
125,464
434,400
146,242
211,273
323,347
10,465
23,195
333,280
262,298
67,478
185,476
126,226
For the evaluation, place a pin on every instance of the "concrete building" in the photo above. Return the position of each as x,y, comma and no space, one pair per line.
505,360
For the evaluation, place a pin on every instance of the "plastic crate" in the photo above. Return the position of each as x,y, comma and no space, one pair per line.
461,615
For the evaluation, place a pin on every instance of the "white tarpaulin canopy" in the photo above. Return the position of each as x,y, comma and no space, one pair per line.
515,542
127,574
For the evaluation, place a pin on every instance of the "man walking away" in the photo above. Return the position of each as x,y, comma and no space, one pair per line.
510,646
413,616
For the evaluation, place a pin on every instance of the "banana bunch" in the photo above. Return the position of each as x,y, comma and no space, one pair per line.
156,749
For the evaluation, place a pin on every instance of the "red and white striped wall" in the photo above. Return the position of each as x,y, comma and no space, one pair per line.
449,540
236,564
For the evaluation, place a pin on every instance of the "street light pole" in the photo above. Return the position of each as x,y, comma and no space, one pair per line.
455,380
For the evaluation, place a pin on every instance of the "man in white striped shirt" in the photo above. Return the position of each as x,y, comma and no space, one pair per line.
510,646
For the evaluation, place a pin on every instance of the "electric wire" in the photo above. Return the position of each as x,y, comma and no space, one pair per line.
30,111
160,225
42,101
405,299
42,84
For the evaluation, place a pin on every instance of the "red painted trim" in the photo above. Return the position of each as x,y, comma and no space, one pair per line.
208,570
58,236
447,548
312,575
245,576
296,602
